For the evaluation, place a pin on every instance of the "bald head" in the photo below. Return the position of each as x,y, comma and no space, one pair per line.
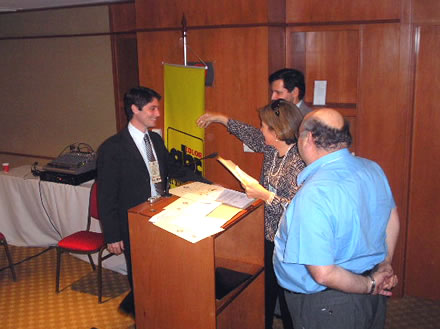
328,117
329,131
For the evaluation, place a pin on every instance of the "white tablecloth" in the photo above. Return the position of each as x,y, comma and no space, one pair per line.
39,213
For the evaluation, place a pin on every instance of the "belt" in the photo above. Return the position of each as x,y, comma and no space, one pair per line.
367,272
370,271
293,292
301,293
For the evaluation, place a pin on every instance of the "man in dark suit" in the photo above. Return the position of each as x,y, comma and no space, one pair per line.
132,166
289,84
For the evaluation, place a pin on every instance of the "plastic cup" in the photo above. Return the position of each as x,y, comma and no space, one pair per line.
5,166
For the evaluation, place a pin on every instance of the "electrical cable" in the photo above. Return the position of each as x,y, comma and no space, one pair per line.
78,147
28,258
45,210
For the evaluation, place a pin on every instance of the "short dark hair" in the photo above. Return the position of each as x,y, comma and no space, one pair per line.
283,118
291,78
139,96
326,137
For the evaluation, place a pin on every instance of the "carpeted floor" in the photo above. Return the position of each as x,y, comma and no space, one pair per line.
31,302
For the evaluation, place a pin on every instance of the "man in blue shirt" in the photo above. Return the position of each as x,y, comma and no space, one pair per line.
334,246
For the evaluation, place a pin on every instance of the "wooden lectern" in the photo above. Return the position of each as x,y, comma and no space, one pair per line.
175,280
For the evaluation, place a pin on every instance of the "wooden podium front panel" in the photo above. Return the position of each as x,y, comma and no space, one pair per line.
174,280
244,240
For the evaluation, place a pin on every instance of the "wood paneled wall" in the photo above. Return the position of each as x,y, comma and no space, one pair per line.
122,17
361,62
237,43
154,14
312,11
394,115
422,258
124,53
330,53
383,119
426,12
363,48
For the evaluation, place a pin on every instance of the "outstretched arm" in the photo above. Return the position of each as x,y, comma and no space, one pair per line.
206,119
249,135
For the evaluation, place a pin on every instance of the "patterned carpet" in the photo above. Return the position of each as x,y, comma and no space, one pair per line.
31,302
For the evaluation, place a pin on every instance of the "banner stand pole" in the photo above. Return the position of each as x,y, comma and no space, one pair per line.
184,38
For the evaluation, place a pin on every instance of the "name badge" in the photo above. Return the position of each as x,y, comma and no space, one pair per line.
272,189
155,172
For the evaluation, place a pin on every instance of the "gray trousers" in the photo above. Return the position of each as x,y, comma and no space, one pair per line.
332,309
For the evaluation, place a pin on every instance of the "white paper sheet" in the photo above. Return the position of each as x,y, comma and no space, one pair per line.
235,199
319,93
190,227
202,192
198,191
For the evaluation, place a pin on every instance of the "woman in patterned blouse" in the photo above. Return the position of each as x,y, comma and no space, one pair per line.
282,163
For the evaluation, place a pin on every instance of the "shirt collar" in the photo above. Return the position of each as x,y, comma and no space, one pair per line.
136,134
312,168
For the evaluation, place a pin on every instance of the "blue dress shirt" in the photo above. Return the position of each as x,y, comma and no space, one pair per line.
339,216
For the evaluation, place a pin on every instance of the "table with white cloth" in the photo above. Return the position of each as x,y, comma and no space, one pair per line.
38,213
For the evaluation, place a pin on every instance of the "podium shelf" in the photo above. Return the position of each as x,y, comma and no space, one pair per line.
242,274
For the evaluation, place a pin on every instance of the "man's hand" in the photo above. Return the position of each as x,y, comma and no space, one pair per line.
116,248
385,279
336,277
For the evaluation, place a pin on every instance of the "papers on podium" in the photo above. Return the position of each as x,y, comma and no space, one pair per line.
188,219
201,210
205,192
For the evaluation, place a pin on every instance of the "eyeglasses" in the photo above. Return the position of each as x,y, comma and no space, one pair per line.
275,106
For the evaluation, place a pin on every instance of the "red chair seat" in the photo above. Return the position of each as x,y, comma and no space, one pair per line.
2,237
84,241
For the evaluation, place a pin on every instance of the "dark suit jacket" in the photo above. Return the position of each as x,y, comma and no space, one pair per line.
124,182
304,108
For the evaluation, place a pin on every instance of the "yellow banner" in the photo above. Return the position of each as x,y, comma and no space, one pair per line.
184,102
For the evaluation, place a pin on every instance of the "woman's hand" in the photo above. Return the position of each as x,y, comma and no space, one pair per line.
256,191
206,119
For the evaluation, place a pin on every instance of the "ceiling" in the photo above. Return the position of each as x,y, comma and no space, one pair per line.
19,5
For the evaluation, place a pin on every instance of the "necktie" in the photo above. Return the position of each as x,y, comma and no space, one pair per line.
150,154
151,158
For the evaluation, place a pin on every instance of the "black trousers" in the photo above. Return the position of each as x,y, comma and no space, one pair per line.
333,309
127,304
273,290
